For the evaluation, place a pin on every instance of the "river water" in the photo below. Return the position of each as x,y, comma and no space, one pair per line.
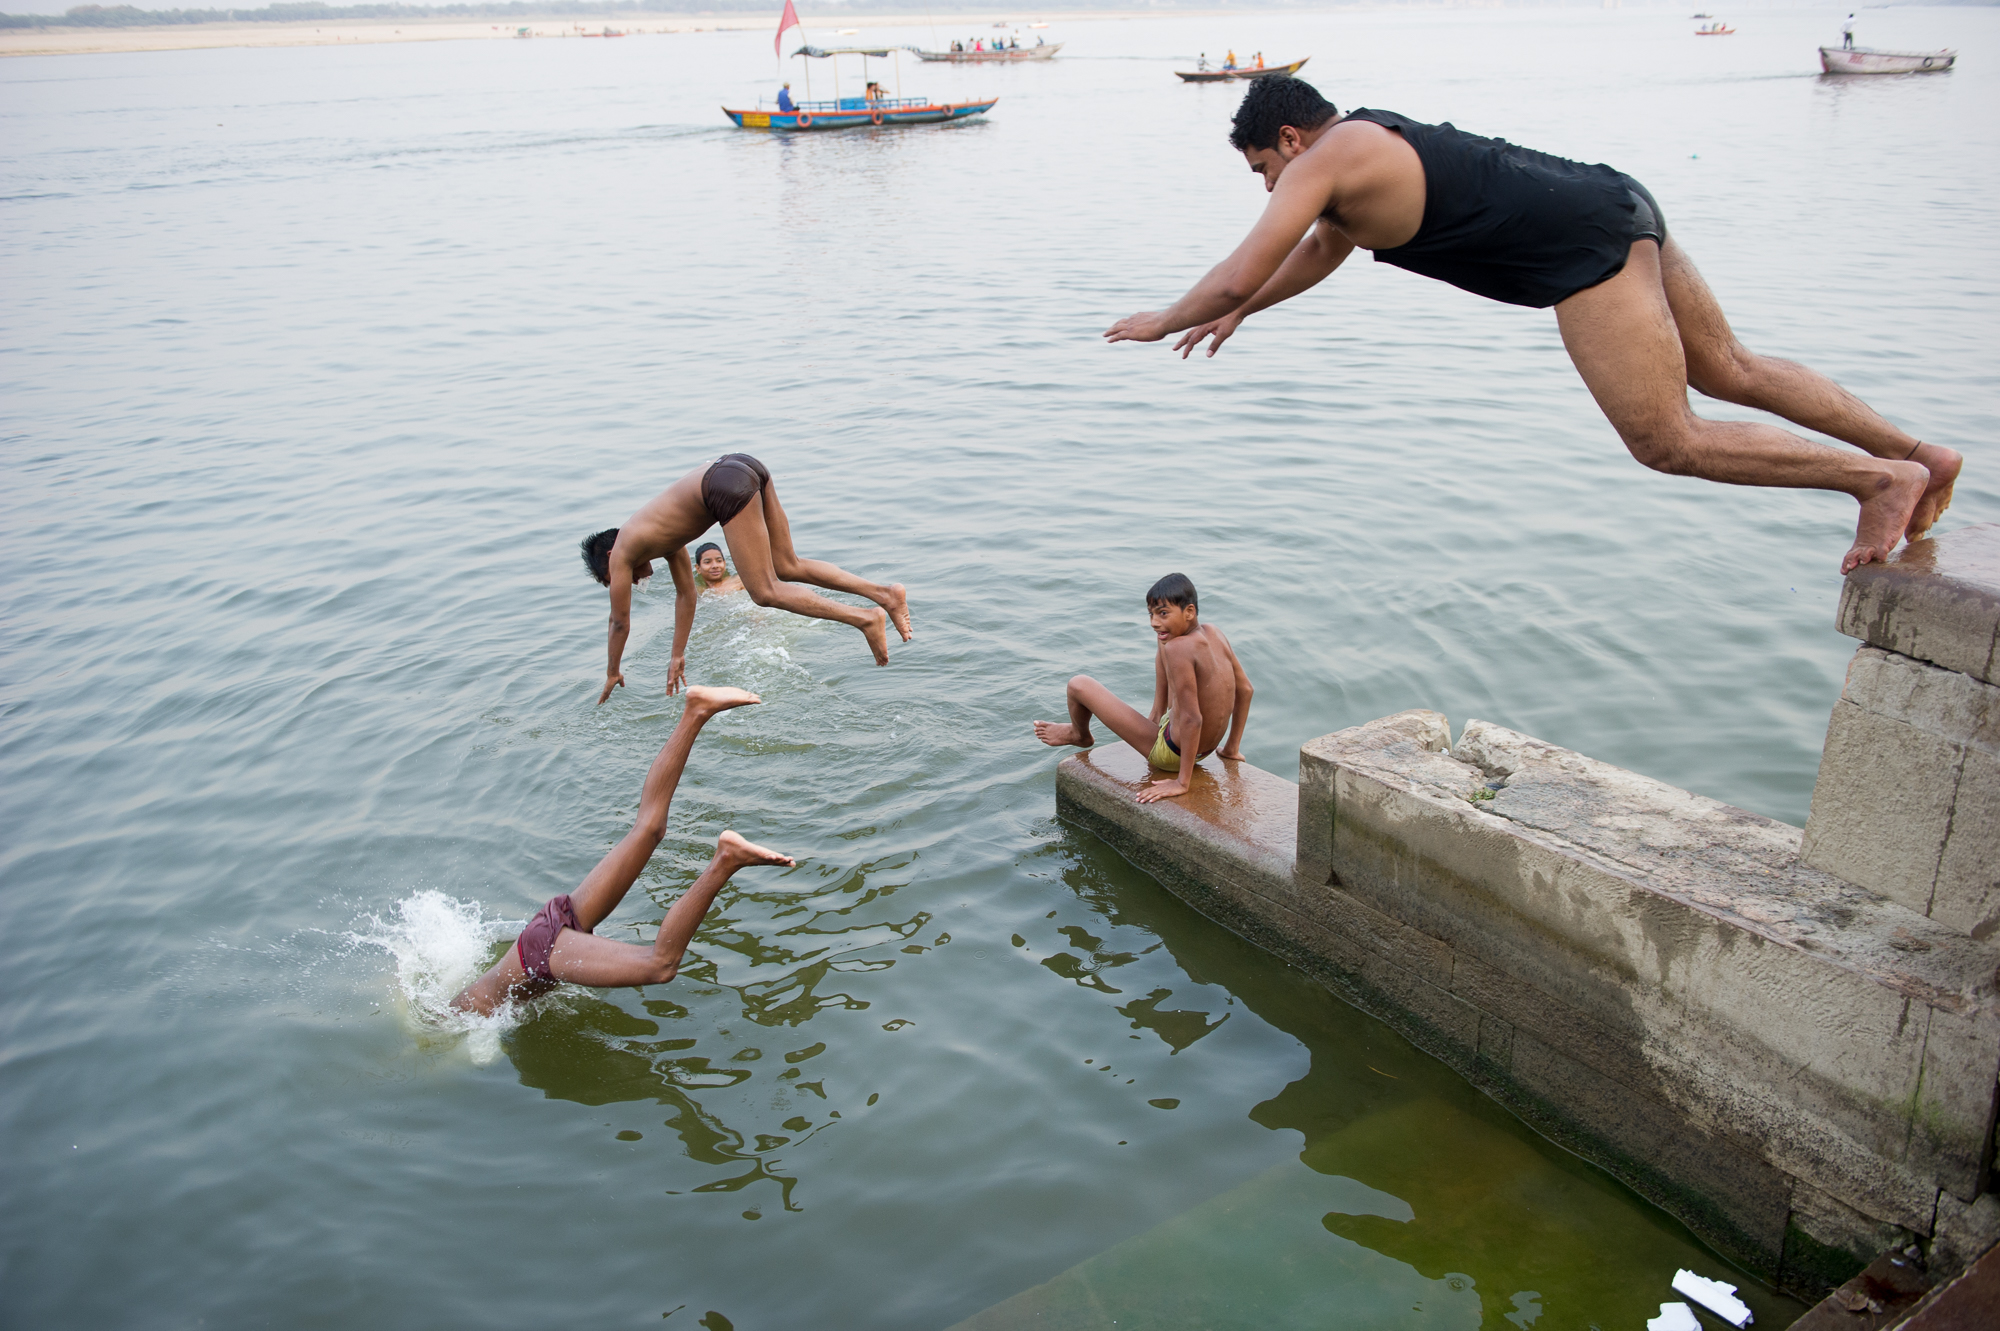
318,362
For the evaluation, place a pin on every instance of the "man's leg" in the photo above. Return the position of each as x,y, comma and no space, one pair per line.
1087,699
787,564
1622,337
750,547
1719,366
605,886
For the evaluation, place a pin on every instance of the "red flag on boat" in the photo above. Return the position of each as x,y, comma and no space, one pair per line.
790,19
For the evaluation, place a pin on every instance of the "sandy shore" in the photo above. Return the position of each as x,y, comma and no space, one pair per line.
184,37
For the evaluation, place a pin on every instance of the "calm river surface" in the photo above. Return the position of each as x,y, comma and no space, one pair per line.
318,362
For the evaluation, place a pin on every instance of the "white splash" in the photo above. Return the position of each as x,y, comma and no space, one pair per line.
440,945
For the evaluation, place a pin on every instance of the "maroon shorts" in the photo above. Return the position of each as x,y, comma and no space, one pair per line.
539,937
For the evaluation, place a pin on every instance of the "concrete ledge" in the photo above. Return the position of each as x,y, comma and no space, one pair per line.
1792,1065
1937,600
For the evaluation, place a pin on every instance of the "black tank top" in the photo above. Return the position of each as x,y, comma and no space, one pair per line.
1507,222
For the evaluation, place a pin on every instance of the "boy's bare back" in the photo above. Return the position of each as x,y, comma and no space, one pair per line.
1215,667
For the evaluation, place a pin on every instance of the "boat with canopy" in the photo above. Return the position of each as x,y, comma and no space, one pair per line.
992,55
875,106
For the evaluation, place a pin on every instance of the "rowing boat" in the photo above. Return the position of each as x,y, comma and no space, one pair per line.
1867,60
1002,56
1220,75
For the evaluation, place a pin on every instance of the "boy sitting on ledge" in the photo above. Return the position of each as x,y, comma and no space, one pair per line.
1199,690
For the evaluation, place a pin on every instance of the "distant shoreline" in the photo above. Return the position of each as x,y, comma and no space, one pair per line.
353,32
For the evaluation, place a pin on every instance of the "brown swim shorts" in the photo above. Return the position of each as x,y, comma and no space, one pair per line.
539,937
731,481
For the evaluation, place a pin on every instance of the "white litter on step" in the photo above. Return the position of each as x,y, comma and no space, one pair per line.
1674,1317
1713,1295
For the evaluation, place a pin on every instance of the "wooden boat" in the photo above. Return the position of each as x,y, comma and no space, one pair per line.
1005,56
855,112
1220,75
1714,30
875,108
1867,60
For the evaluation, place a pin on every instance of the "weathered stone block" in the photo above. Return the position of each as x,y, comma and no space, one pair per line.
1936,599
1968,881
1882,805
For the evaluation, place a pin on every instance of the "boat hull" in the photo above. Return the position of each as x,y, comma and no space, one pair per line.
1863,60
992,57
796,122
1224,75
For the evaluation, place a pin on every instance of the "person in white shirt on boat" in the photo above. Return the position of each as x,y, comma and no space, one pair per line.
1515,225
1847,34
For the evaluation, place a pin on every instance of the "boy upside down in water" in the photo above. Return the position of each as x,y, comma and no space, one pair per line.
1199,691
558,945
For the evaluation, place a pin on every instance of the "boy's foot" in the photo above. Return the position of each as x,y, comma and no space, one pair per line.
1885,513
1943,465
708,701
877,633
1060,734
736,853
899,610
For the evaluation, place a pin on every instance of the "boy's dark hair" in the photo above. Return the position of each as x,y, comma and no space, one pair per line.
704,548
597,554
1174,589
1273,102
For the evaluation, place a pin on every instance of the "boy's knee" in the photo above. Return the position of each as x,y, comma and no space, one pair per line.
1078,683
762,593
1729,376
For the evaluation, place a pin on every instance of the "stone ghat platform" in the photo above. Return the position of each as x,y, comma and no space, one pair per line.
1800,1065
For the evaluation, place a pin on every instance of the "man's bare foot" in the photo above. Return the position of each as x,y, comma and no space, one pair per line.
1943,465
1061,734
737,853
899,610
709,701
1885,513
877,633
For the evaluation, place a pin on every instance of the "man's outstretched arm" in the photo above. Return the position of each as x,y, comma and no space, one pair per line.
682,569
1299,197
1309,264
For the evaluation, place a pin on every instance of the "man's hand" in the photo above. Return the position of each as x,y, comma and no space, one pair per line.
1220,329
677,675
615,680
1163,790
1150,326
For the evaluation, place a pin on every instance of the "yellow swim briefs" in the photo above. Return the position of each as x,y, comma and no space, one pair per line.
1162,757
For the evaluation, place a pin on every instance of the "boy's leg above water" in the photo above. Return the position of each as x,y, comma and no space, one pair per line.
1088,701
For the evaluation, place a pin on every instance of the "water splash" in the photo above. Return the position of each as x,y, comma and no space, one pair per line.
441,944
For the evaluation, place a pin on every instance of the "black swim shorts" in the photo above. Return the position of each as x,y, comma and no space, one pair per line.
732,481
539,938
1647,221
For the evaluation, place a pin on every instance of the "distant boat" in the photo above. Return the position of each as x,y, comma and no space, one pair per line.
1219,75
876,108
1866,60
997,55
1717,29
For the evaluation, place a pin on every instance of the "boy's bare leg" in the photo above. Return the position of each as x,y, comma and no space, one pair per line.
750,547
1720,367
606,885
786,562
605,963
1622,337
1088,699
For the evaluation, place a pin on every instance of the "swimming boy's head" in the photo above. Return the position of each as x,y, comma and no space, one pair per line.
1172,606
1277,121
597,557
708,559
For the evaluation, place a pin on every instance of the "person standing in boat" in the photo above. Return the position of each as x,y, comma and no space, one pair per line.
1847,34
785,98
1519,226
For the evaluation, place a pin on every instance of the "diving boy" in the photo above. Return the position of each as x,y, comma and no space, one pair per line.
1199,691
733,492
